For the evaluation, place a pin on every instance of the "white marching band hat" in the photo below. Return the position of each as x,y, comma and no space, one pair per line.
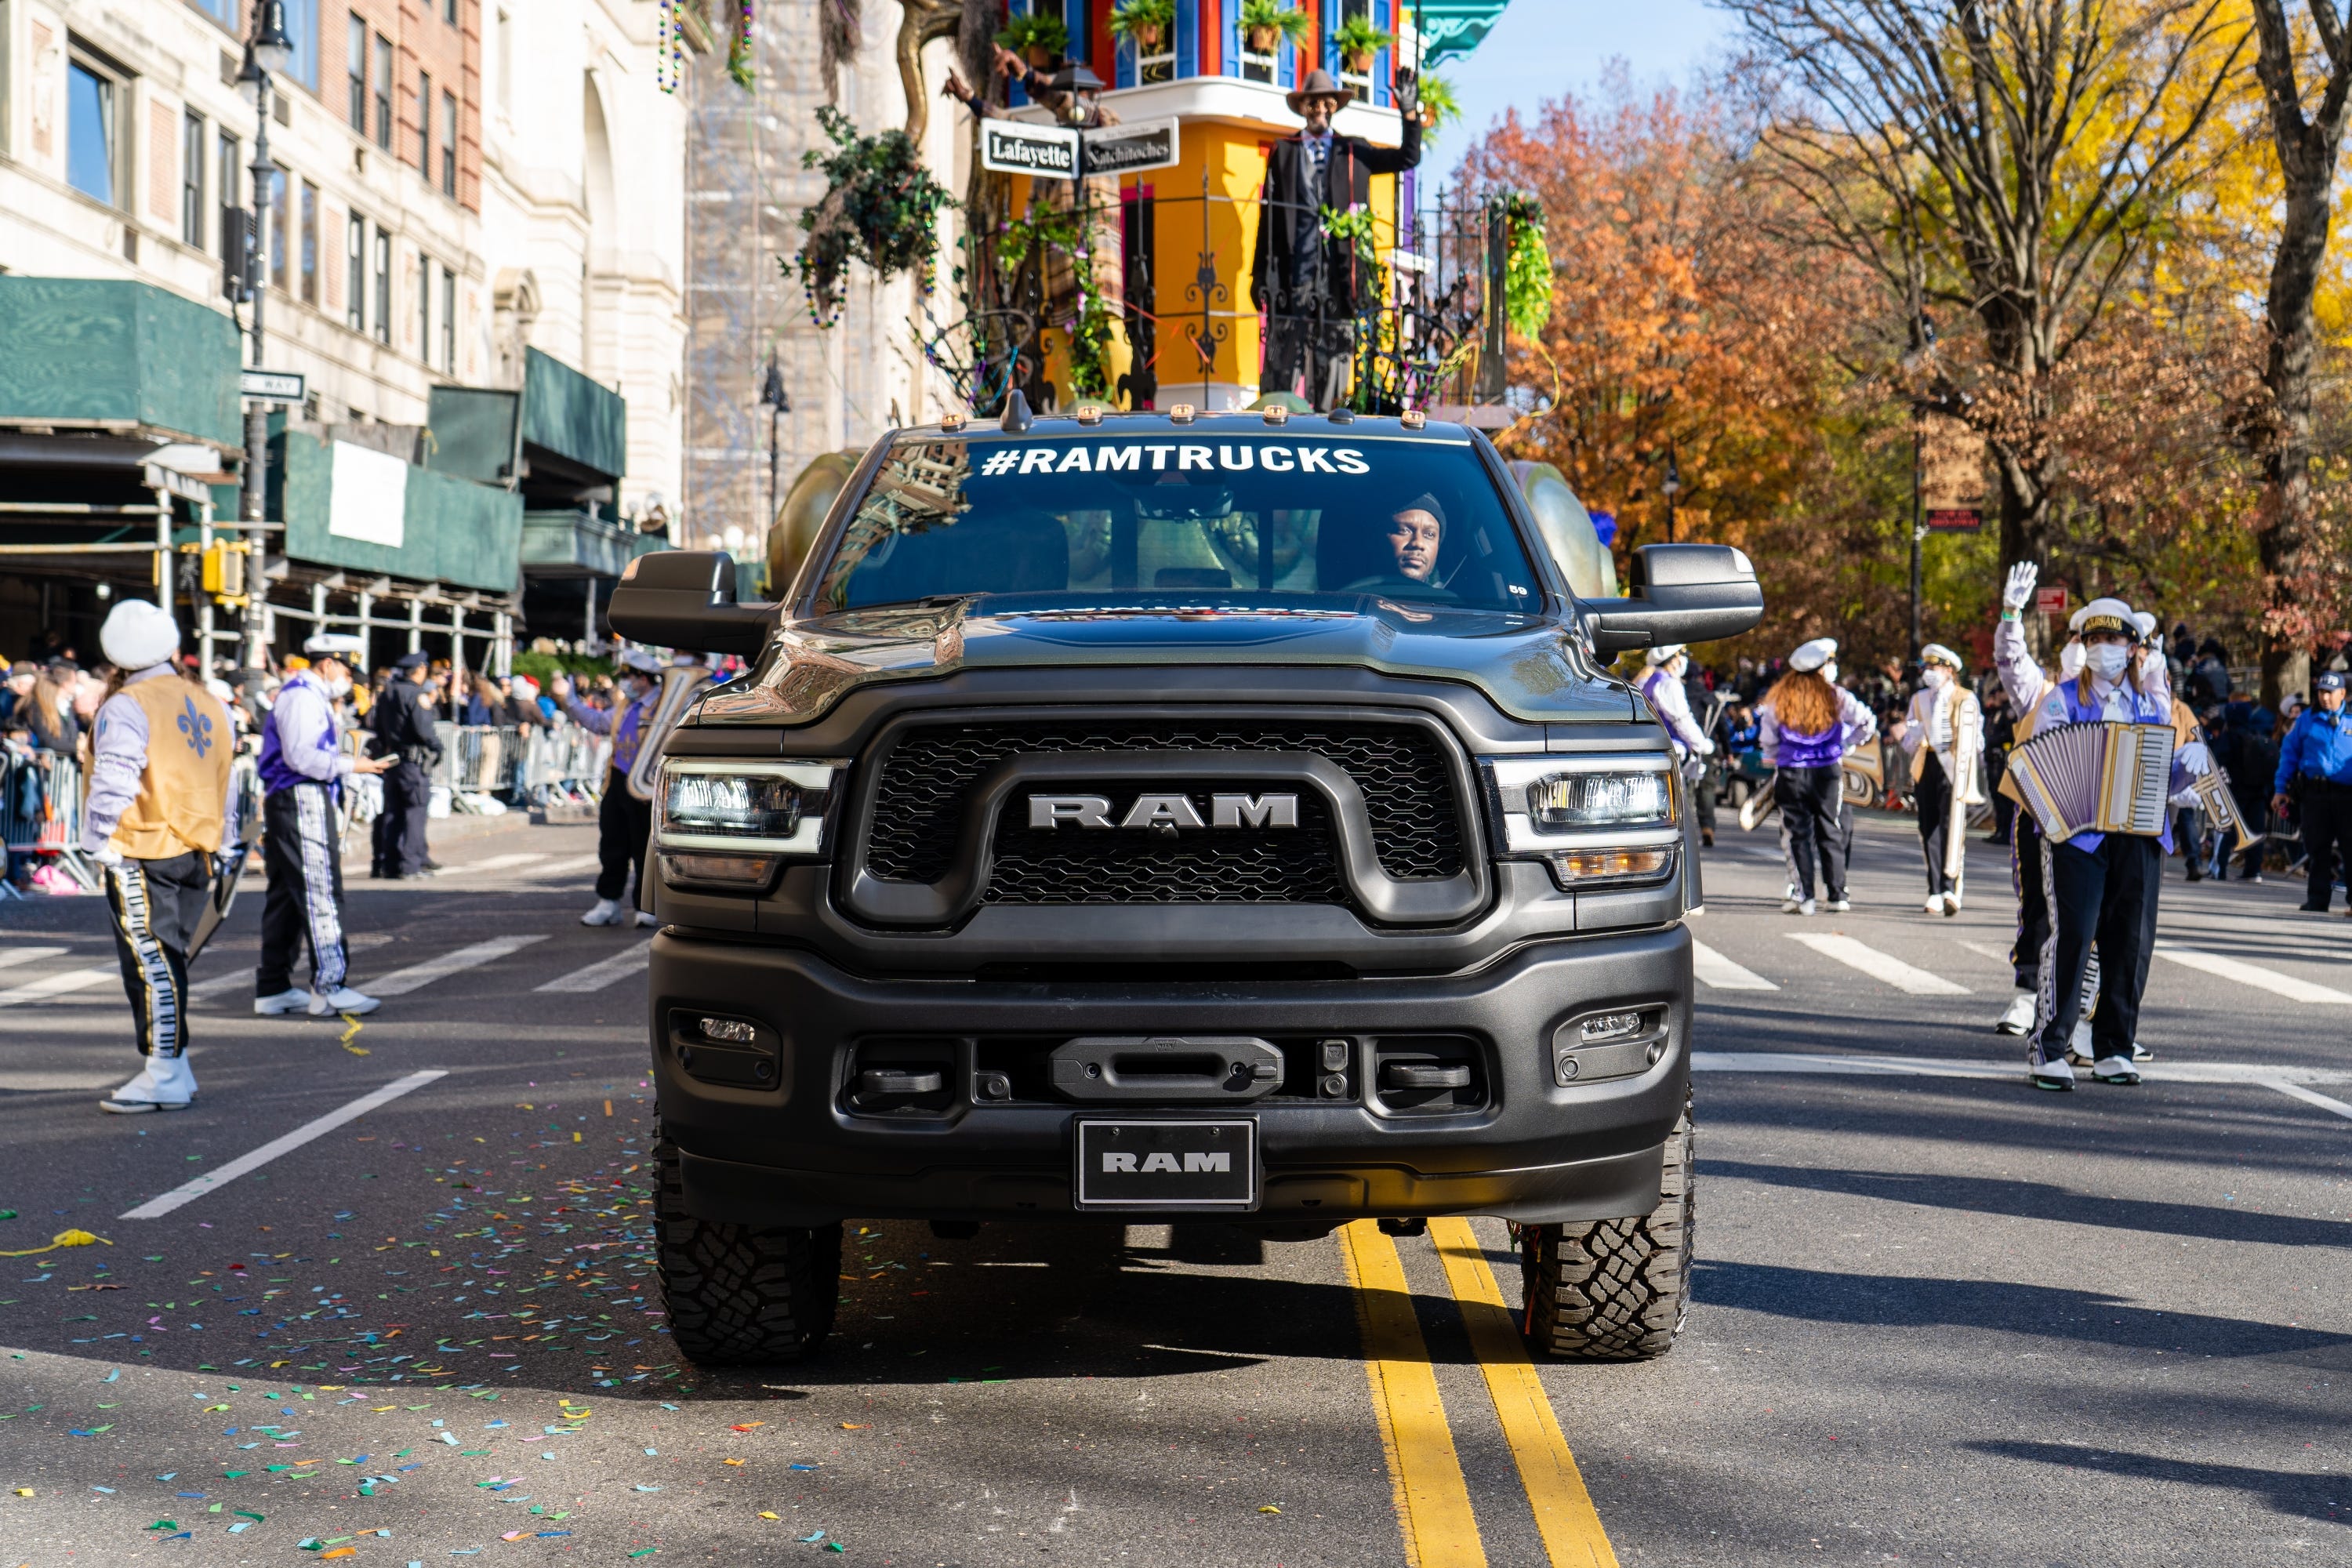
1813,654
1665,652
2104,615
138,636
638,658
1936,653
335,644
2146,622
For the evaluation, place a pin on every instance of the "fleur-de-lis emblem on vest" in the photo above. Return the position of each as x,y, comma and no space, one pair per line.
196,726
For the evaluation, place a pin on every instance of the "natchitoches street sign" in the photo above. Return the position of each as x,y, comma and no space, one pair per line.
1060,153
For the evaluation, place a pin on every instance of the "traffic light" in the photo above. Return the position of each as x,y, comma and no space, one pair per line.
223,568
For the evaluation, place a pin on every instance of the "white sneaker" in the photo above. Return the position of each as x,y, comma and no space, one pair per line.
2141,1052
341,999
2057,1076
1808,907
292,1000
1951,905
1840,906
164,1084
2078,1049
2018,1019
1935,903
2114,1069
645,918
1791,904
607,913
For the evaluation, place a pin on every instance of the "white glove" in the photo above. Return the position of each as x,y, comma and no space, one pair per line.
2018,591
2195,759
1694,770
105,854
1706,747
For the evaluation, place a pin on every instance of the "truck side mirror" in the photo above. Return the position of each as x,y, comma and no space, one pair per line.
685,599
1674,593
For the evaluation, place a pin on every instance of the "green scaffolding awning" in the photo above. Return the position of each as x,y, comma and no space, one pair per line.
1451,28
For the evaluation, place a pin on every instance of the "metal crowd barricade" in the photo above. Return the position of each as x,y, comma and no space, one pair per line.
40,813
566,765
532,765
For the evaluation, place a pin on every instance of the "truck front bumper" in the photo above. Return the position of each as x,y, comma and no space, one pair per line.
776,1133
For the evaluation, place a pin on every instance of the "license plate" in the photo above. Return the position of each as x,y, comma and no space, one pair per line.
1138,1163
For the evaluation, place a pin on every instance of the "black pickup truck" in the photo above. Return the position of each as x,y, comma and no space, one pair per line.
1175,816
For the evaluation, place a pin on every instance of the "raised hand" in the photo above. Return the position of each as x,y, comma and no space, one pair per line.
2018,591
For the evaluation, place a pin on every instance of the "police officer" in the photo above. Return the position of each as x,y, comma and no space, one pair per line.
2316,769
159,810
623,823
302,764
402,721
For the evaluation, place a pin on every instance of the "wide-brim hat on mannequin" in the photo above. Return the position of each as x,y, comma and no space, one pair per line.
1319,83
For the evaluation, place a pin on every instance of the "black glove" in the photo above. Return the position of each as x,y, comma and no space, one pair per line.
1408,92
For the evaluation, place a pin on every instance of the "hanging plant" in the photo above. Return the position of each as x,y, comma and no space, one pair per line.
1439,105
1266,23
880,206
739,47
1358,42
1037,37
1526,265
1146,22
1355,227
1062,231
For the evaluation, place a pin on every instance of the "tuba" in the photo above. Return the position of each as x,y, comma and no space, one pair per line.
681,685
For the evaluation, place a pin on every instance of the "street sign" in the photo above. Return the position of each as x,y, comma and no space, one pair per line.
272,386
1951,473
1955,519
1046,151
2050,601
1125,148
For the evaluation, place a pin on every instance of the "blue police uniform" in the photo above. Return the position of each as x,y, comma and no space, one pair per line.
2315,767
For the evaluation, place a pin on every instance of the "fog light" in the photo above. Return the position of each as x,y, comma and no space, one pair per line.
717,870
730,1031
1609,1027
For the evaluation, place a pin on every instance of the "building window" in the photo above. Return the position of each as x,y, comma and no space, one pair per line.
424,307
506,63
425,124
355,273
383,92
309,243
277,230
229,159
302,29
221,11
449,12
449,145
192,179
355,62
93,153
448,321
383,287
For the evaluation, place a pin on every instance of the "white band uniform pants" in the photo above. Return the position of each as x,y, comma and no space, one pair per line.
156,906
304,905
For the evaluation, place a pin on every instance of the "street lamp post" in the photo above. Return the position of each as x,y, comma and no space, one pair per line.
1672,487
777,402
266,53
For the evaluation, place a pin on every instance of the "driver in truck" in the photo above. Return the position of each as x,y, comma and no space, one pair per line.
1156,815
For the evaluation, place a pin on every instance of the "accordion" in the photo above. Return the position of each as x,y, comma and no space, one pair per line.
2095,778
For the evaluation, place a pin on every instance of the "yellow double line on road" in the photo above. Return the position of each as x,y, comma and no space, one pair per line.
1432,1500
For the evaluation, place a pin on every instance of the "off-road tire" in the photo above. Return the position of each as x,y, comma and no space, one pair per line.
1614,1290
741,1294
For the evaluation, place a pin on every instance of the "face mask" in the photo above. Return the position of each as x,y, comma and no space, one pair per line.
340,687
2107,660
1937,677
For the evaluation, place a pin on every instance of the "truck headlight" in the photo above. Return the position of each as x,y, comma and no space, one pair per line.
1601,820
725,823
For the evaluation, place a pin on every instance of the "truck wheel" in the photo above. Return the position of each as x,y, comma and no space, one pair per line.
1614,1290
741,1293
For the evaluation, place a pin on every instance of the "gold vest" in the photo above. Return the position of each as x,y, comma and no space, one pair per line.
182,794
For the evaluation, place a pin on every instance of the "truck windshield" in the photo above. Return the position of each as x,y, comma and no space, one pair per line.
1416,520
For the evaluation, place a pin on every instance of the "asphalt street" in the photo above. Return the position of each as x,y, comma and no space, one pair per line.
1939,1316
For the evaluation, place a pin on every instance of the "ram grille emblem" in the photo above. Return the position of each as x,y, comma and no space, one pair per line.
1164,811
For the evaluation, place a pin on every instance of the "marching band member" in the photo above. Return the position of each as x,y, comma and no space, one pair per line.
1943,734
302,768
2027,684
2103,887
160,807
623,823
1661,686
1805,726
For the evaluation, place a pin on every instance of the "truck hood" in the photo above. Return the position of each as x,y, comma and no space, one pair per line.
1526,665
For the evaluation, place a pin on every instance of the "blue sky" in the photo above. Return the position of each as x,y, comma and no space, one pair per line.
1541,47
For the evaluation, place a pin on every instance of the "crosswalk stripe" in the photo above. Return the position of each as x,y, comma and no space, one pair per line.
416,976
2253,974
50,985
1721,974
565,867
495,863
220,983
2286,1079
1883,966
187,1191
603,971
17,955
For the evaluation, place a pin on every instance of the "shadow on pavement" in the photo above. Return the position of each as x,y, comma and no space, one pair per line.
2304,1496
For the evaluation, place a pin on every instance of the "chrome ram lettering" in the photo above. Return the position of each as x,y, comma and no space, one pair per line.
1166,811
